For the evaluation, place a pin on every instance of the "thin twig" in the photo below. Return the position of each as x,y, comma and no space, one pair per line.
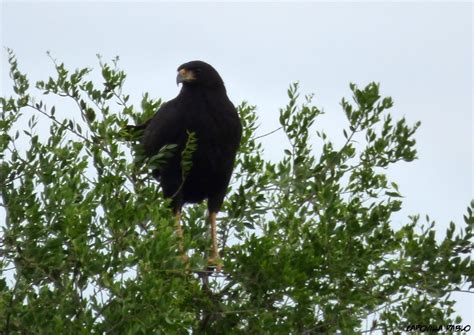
267,134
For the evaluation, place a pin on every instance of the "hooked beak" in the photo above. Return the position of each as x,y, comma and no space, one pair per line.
184,76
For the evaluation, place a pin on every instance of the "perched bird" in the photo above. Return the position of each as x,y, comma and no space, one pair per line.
203,108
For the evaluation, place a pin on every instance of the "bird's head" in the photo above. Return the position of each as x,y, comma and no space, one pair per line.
198,73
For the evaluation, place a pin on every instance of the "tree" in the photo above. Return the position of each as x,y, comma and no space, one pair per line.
88,244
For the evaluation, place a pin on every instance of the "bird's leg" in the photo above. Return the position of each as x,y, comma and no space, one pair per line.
179,232
214,259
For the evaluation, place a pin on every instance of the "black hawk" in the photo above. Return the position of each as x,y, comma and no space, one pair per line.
203,108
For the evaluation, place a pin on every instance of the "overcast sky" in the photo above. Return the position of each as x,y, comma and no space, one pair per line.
421,54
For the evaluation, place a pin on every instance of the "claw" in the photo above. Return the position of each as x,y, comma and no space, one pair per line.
216,261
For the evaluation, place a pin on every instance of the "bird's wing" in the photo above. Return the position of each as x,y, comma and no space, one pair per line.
165,127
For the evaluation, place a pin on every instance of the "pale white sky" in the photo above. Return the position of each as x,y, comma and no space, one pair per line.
421,53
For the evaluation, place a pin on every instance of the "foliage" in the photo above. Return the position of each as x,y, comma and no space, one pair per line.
88,244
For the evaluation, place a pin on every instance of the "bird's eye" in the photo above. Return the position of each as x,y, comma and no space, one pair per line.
198,69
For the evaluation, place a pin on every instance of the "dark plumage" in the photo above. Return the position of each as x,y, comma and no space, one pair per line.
202,107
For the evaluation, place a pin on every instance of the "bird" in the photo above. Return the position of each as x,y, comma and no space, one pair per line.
202,108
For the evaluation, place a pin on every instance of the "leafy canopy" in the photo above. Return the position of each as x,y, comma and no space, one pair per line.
88,244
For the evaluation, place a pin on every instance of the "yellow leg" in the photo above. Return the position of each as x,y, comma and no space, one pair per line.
179,232
214,259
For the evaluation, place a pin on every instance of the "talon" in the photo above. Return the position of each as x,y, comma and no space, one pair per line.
215,261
